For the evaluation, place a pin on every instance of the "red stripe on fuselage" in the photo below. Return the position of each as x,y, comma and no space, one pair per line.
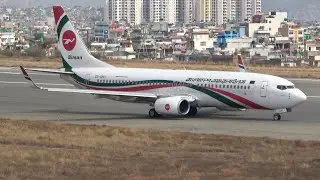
240,99
150,87
129,89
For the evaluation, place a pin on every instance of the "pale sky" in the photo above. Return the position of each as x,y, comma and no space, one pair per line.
47,3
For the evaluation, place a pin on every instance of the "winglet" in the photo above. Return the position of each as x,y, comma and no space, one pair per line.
241,65
26,75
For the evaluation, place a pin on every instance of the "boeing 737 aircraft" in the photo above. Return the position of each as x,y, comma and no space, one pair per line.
168,92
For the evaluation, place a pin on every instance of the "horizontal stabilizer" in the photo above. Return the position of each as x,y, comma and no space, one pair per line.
52,71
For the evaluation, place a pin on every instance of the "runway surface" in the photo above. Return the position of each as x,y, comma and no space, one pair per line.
19,101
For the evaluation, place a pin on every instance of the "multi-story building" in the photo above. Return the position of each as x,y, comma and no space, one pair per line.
146,11
217,12
245,9
129,10
108,12
165,10
204,10
256,6
101,31
189,11
267,26
228,11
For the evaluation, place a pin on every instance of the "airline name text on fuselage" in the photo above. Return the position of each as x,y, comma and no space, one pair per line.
222,81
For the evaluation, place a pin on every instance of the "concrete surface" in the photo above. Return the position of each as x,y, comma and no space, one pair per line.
19,101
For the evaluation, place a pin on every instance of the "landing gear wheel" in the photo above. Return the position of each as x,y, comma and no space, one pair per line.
277,117
153,113
192,112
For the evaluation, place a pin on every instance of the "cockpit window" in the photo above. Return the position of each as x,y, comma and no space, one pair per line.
282,87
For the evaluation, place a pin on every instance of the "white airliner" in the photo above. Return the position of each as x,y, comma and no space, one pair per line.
168,92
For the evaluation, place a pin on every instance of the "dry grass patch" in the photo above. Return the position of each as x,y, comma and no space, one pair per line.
298,72
43,150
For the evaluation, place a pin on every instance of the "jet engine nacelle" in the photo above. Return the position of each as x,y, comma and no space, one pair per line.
172,106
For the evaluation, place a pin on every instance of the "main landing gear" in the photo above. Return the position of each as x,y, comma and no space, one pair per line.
153,113
192,113
276,117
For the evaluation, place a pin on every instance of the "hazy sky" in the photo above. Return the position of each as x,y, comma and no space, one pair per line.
298,9
47,3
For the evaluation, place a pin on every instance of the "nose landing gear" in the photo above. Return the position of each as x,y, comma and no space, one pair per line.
278,112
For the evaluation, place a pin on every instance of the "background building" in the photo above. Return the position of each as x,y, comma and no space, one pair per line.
129,10
245,9
166,10
146,11
216,12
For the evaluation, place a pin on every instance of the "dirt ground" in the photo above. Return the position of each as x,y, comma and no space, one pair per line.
44,150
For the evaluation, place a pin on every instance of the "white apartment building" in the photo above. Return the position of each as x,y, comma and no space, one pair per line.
221,11
190,11
256,6
130,10
270,27
184,11
245,9
164,9
228,10
146,11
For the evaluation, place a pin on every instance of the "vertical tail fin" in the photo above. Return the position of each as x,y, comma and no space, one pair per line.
74,53
241,65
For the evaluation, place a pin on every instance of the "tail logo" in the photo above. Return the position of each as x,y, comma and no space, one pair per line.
69,40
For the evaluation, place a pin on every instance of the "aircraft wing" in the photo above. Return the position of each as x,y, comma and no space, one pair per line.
89,91
149,97
53,71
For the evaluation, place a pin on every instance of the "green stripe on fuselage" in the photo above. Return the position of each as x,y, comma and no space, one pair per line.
217,96
129,83
206,91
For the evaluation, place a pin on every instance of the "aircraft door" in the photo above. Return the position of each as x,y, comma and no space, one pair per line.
264,89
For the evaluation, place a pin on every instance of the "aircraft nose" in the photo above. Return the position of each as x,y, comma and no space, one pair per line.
300,97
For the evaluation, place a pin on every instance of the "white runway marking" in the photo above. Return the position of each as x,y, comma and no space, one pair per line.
297,79
7,68
18,73
49,84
